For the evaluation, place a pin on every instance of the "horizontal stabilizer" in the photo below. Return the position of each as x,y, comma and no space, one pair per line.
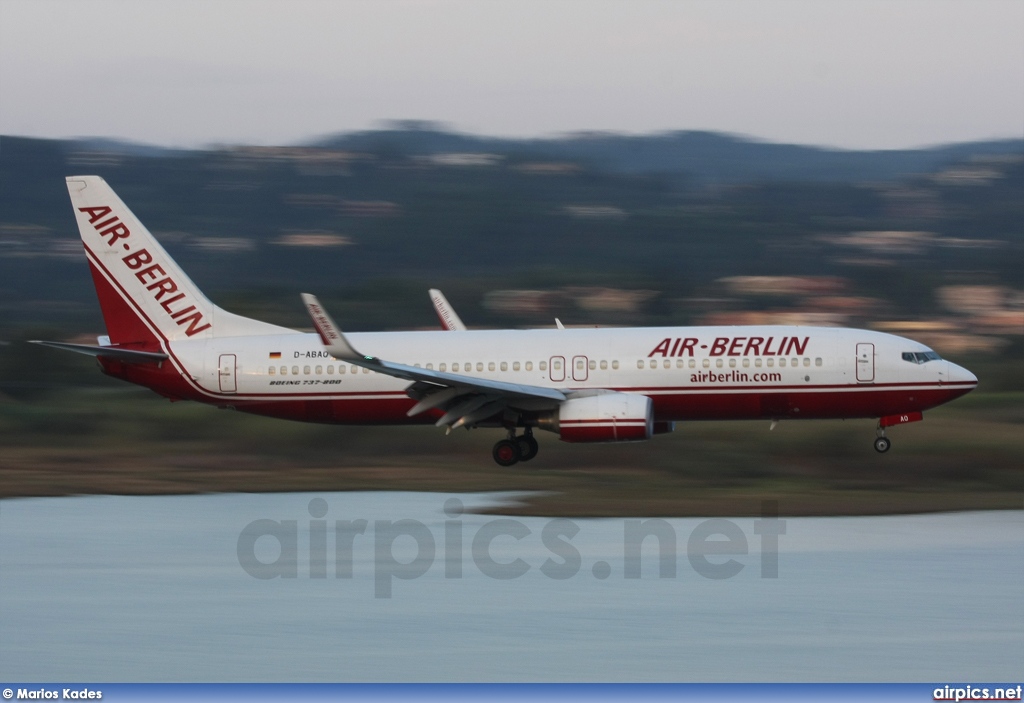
129,356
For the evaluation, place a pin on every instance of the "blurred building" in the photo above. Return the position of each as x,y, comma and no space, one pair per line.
784,285
312,239
609,299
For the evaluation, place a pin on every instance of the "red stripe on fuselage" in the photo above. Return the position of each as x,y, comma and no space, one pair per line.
864,403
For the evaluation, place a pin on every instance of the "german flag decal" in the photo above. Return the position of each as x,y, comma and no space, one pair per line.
275,355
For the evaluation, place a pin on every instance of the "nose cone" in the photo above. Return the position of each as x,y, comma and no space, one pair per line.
961,376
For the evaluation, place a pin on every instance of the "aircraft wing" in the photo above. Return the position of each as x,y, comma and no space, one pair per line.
465,399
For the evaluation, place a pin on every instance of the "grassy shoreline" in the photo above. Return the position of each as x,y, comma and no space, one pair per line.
966,456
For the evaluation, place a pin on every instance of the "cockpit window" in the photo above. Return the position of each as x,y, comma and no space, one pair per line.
921,357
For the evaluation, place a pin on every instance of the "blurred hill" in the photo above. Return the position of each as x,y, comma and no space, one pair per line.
704,157
686,227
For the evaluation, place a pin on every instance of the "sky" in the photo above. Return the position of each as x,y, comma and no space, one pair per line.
864,74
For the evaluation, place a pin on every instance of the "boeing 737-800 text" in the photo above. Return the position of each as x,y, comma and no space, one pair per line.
586,385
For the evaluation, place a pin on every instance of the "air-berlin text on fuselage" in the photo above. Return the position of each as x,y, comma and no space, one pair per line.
151,275
731,346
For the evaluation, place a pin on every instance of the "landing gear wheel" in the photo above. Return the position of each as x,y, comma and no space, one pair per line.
882,444
506,452
528,447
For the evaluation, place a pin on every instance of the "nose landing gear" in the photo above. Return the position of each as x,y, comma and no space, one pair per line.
515,449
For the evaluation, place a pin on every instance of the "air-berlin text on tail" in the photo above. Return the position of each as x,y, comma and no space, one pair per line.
731,346
151,275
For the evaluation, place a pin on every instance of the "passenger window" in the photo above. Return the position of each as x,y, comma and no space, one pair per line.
794,362
442,366
479,366
706,363
529,366
366,370
746,363
330,370
341,368
807,361
355,369
295,370
757,362
615,364
515,365
770,362
817,361
556,365
718,363
732,363
490,366
667,364
604,365
504,366
543,366
782,362
455,366
692,363
284,370
272,371
319,370
640,363
593,364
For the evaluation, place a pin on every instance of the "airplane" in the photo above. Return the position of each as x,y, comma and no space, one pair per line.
585,385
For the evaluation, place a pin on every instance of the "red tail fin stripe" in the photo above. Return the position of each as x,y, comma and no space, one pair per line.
139,313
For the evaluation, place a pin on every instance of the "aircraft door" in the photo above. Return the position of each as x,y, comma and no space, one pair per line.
865,363
557,368
579,368
226,375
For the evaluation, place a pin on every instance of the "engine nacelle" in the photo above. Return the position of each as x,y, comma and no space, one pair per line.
608,417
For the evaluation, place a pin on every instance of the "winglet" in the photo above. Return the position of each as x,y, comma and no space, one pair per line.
445,313
330,334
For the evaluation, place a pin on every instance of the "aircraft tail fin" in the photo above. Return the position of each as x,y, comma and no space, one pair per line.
145,297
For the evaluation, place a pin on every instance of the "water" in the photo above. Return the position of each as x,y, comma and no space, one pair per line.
113,588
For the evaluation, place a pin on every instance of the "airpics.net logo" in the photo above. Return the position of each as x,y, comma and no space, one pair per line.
407,549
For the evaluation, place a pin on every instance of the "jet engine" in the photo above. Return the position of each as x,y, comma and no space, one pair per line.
607,417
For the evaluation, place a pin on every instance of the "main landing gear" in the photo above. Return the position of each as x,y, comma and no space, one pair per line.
882,443
515,449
